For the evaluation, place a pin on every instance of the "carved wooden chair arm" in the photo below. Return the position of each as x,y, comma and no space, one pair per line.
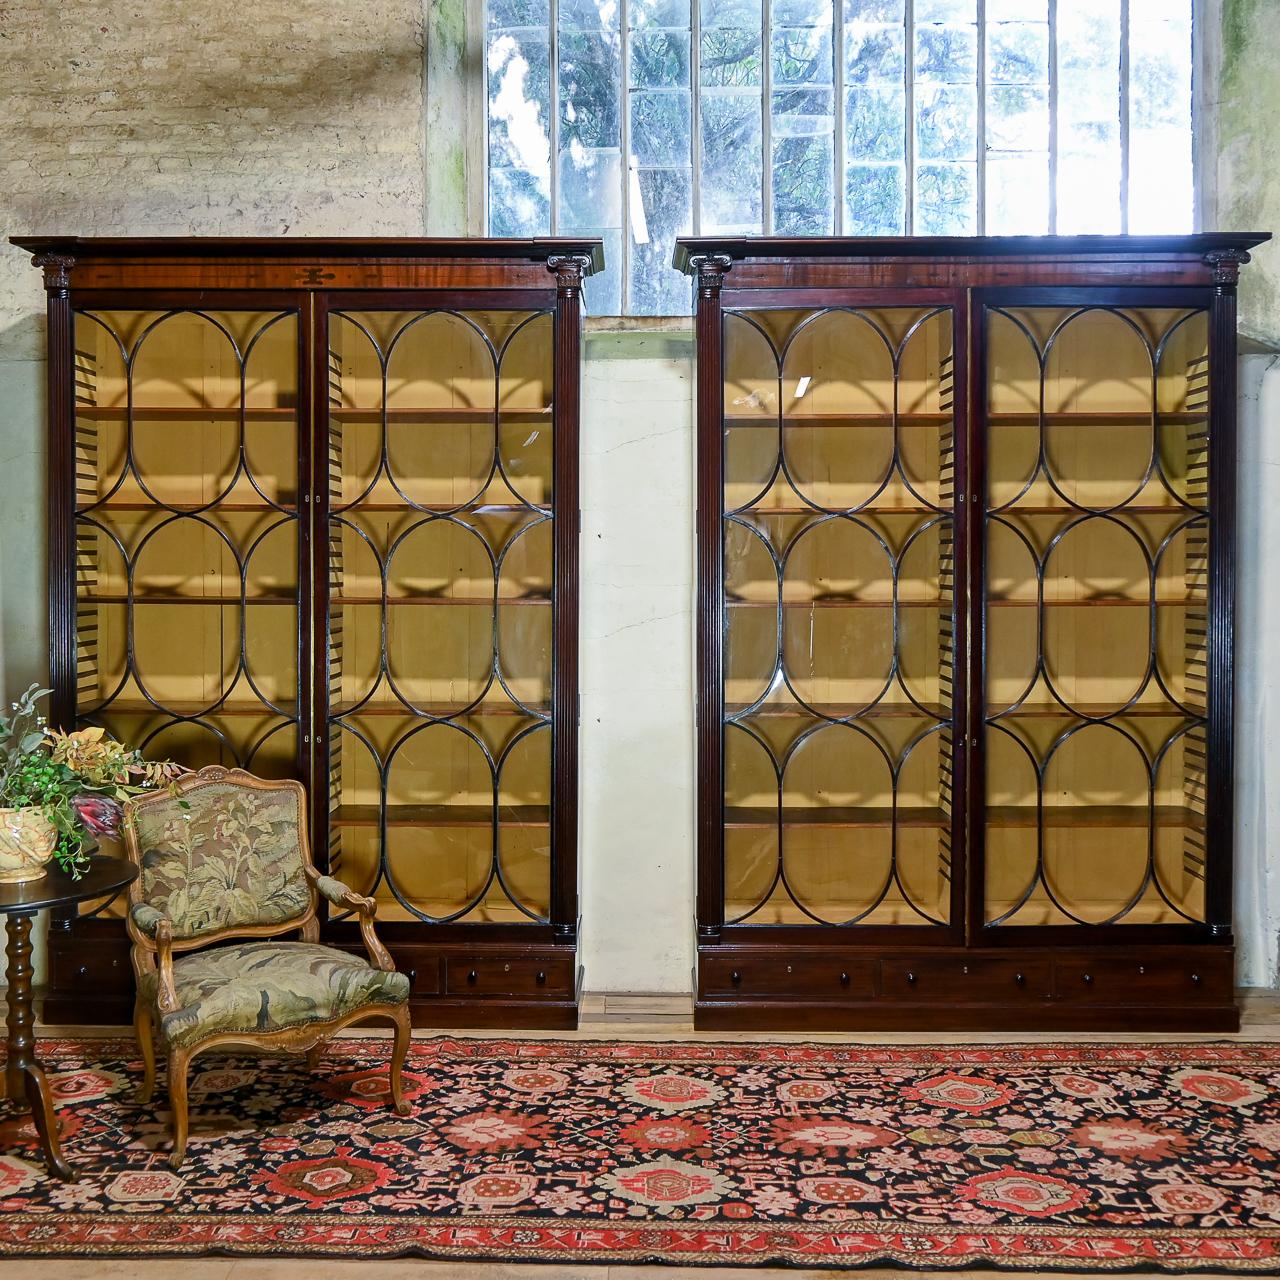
155,932
340,895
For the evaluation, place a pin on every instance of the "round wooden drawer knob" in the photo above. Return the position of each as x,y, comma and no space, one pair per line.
736,978
472,976
1020,979
541,978
1086,978
844,979
911,978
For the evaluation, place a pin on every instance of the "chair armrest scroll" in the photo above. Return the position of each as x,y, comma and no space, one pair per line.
341,895
157,931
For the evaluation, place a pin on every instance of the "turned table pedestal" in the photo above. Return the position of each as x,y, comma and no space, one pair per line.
20,904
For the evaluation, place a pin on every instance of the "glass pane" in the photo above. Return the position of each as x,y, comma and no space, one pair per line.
803,162
945,53
661,210
186,536
1089,117
660,179
1160,188
1097,547
732,164
519,112
440,567
839,608
591,168
803,119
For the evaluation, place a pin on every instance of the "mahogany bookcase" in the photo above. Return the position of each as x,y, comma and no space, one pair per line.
314,512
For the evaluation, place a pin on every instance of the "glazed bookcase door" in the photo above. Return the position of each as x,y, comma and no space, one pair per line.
839,607
440,582
1097,597
187,533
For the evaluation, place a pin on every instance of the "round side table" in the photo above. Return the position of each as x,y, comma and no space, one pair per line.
20,904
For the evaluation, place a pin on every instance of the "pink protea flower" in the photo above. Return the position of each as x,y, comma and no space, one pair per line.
99,815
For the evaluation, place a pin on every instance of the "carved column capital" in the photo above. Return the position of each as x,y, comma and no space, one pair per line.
709,270
1225,264
570,270
57,271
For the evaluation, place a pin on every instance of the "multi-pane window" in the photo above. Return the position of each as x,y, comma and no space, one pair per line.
642,120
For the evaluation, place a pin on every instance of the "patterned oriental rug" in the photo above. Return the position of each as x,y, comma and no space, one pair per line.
1086,1158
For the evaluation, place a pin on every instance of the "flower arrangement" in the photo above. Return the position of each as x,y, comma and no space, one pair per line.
76,783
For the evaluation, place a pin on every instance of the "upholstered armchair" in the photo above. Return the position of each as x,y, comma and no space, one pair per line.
225,855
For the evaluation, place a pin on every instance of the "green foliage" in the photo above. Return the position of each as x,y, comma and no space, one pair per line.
76,780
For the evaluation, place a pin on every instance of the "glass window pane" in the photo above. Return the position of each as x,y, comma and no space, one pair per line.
659,59
874,123
519,65
519,203
1160,186
874,199
803,203
658,13
1018,194
948,55
802,55
730,58
659,128
732,13
1018,53
946,123
732,164
517,13
590,86
875,11
873,54
946,199
661,209
588,15
1017,118
1089,117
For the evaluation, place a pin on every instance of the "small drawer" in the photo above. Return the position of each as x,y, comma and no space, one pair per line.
549,976
422,968
969,981
1135,981
822,977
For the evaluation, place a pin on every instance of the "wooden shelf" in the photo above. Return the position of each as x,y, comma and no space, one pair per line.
834,816
460,601
1162,710
919,509
478,509
440,815
182,413
438,709
148,598
286,508
838,602
1108,815
881,711
1030,418
439,414
187,710
1101,816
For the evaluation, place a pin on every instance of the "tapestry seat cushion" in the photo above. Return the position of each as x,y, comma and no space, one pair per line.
268,986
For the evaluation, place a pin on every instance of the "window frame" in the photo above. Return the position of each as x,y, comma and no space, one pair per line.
1205,56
